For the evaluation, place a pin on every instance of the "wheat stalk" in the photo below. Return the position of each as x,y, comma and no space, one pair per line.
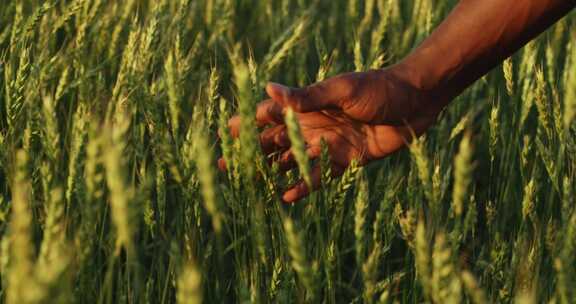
360,209
370,274
407,225
463,168
528,204
173,89
477,294
121,195
570,84
494,123
22,287
446,285
422,254
542,102
298,147
509,76
300,262
189,285
420,157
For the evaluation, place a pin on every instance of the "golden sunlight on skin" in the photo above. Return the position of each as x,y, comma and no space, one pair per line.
348,139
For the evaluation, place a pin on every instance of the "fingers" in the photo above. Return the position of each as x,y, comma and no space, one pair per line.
267,112
222,164
325,95
321,96
234,125
286,161
301,190
274,139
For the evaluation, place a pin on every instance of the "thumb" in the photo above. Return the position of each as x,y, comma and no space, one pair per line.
301,100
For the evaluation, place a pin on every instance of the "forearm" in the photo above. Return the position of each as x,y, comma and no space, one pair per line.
476,37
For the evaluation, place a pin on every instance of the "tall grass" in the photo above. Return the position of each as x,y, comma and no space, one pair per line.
113,114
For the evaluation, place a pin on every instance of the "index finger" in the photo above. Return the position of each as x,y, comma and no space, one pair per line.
267,112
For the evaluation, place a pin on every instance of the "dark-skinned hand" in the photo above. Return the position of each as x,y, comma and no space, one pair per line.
362,116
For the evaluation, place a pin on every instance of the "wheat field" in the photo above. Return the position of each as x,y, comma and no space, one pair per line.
113,114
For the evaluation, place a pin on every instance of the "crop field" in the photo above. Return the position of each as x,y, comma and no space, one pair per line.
113,115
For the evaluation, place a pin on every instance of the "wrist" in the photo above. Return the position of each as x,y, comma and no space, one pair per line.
428,82
417,75
430,74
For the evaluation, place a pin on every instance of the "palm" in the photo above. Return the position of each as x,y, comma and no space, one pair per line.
346,139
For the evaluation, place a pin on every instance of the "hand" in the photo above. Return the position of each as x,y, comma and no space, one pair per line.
391,96
362,116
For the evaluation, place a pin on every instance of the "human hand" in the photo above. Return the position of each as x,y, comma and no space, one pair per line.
362,116
391,96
